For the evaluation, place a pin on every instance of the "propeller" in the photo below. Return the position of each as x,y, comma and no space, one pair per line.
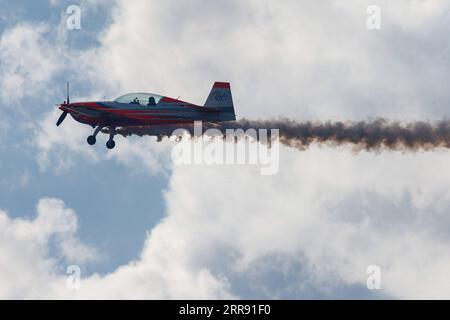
64,114
67,89
61,118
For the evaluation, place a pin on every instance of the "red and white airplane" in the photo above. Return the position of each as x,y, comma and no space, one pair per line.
147,109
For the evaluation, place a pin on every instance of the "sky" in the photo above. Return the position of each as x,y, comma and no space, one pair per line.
140,226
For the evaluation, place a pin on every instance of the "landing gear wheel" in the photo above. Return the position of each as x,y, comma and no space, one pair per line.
91,140
110,144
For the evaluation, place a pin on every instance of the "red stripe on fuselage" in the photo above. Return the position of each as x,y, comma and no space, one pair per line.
172,100
144,116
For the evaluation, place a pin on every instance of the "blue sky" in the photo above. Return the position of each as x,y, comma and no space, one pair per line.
142,227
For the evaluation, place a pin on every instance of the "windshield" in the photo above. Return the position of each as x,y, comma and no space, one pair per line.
144,99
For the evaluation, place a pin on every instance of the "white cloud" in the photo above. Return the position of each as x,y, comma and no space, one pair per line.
27,62
27,268
325,210
295,58
315,226
54,218
70,136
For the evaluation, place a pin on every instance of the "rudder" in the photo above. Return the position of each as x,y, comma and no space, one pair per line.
220,98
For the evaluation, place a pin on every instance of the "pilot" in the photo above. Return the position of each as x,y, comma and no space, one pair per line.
135,101
151,102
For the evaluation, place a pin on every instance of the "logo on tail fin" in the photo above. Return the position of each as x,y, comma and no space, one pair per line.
221,96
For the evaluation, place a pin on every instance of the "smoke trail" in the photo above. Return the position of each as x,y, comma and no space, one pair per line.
371,135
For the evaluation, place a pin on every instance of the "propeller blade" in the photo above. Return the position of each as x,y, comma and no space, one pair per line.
61,118
68,93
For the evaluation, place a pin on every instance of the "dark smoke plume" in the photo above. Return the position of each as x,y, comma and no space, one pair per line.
370,135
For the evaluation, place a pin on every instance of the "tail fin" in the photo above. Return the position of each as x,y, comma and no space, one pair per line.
220,98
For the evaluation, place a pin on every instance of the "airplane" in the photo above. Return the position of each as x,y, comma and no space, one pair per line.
147,109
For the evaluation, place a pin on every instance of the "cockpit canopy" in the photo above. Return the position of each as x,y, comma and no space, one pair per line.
143,99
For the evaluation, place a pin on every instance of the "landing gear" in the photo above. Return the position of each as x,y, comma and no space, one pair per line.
92,139
110,144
